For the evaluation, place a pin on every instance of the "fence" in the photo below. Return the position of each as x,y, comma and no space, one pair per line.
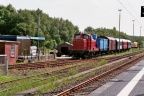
4,63
44,55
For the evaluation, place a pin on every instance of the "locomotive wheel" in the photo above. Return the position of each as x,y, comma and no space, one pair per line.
84,56
77,57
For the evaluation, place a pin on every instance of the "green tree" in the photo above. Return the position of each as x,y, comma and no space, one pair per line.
25,23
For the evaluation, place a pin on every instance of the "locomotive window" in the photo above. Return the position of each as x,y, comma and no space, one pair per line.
85,36
77,36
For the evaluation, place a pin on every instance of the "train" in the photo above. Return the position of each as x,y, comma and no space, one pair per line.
135,45
89,45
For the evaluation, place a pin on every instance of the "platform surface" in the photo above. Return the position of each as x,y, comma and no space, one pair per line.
128,83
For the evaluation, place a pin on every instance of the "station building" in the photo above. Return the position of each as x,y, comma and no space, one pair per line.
23,44
11,49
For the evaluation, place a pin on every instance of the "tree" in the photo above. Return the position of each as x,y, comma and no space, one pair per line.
25,23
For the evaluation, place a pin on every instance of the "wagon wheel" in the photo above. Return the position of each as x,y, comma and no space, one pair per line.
59,54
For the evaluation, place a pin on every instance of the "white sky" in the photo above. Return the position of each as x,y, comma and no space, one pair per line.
94,13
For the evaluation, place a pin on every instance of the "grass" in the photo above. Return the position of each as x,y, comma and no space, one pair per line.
30,83
101,63
4,78
73,71
49,81
50,85
34,82
27,84
122,53
66,81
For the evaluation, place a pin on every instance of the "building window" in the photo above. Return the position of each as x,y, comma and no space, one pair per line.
12,50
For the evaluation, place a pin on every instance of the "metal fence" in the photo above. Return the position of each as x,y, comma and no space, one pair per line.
4,64
42,55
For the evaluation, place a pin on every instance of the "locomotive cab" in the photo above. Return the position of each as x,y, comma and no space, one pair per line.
80,42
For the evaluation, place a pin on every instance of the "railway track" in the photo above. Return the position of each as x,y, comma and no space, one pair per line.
49,94
4,86
7,83
73,90
60,62
43,64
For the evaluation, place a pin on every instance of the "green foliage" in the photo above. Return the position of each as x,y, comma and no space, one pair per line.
73,71
112,33
55,30
25,23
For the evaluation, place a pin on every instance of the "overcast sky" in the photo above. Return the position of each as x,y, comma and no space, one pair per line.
94,13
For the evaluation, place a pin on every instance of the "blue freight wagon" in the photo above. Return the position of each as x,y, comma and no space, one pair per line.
105,44
102,44
99,43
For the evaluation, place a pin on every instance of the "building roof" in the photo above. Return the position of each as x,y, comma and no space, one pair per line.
15,37
68,43
65,44
9,41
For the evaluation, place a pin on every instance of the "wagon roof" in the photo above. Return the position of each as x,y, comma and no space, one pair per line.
117,39
110,38
126,40
135,42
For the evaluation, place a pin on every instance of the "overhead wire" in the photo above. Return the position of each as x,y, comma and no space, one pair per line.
129,12
134,10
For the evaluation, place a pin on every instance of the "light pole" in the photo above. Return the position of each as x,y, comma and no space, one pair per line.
140,31
133,30
119,26
140,37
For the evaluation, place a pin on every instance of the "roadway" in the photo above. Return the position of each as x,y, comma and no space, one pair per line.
128,83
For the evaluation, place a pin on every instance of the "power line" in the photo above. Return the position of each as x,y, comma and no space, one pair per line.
129,12
131,6
134,10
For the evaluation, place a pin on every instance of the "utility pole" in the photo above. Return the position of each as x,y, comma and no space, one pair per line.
140,37
119,27
38,33
133,30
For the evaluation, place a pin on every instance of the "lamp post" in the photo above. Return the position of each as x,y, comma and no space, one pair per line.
119,27
133,30
140,31
140,37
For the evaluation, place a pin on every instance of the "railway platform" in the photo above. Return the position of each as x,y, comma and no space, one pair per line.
128,83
